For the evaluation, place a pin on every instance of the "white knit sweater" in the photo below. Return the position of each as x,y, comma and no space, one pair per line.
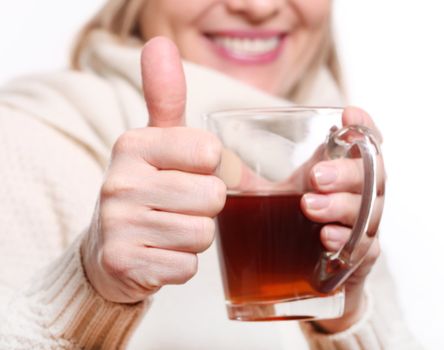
56,133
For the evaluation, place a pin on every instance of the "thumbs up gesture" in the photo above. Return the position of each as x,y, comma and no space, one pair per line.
159,196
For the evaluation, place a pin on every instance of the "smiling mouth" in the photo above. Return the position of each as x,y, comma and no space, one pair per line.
248,47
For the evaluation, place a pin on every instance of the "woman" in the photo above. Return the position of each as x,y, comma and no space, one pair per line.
113,271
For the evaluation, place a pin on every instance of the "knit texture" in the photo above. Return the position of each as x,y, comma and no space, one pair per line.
60,310
56,135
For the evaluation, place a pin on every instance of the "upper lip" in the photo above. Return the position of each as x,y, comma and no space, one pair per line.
247,34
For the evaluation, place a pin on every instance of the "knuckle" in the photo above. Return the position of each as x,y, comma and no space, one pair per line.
207,151
375,252
116,185
204,234
350,173
346,206
117,218
108,220
168,107
154,282
175,268
218,191
126,143
189,267
114,261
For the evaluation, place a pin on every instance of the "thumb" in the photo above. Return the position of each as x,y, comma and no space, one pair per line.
163,83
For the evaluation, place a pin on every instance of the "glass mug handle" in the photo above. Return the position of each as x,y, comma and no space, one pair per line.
333,268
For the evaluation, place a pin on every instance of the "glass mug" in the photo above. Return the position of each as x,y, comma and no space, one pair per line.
273,264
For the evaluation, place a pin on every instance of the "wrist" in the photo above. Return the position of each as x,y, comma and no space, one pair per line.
86,251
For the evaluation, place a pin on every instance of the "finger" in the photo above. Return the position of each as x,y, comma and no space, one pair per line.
333,237
163,83
357,116
152,268
157,229
185,193
167,190
343,175
179,148
339,207
193,234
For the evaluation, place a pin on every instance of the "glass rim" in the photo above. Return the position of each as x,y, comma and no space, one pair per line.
281,110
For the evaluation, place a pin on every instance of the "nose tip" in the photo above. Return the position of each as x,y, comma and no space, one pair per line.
255,10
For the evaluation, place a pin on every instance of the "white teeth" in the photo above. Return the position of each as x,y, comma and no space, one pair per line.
243,46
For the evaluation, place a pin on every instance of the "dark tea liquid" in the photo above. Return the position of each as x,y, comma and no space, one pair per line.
268,248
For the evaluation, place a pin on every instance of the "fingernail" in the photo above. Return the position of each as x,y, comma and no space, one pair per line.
325,175
316,201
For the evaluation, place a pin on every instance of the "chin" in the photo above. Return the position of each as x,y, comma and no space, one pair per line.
264,85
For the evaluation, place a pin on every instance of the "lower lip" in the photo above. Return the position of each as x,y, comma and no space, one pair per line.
248,59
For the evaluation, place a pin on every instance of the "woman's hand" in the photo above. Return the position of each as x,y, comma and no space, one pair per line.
159,196
338,184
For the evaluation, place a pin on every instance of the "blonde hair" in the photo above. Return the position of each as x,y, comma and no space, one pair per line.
121,18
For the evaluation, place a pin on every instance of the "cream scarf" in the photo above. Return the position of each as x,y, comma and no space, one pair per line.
106,57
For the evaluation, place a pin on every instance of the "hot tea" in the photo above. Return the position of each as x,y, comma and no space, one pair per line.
268,248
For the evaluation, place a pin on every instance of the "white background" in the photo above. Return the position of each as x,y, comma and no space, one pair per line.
393,54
